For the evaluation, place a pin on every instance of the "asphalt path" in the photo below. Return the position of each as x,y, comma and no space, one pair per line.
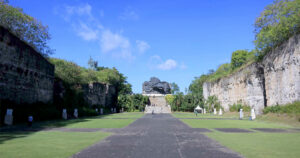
157,136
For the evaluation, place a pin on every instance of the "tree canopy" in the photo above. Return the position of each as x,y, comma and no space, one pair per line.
174,88
276,24
27,28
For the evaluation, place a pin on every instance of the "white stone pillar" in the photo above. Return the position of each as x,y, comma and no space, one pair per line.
101,111
64,114
215,111
76,113
8,120
253,116
241,114
220,111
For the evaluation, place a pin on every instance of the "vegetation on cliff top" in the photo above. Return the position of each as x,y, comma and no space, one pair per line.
276,24
71,73
26,27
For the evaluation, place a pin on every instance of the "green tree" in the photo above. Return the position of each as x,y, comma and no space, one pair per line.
92,64
25,27
174,88
239,58
212,102
170,99
276,24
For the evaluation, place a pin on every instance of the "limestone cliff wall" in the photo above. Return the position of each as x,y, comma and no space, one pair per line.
100,94
275,80
245,86
25,75
282,73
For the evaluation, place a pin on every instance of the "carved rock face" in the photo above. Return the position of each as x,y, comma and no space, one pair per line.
155,86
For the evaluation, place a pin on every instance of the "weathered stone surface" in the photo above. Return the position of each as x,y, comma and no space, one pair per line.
100,94
155,86
25,75
282,73
275,80
245,86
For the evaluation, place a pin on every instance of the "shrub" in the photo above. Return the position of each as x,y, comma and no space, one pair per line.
292,108
238,106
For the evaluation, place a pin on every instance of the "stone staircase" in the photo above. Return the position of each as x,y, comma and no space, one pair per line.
158,104
157,109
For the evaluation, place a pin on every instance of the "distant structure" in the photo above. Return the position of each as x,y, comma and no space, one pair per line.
156,91
155,86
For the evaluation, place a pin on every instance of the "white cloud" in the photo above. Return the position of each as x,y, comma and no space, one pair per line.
87,26
167,65
142,46
156,62
87,33
114,42
129,14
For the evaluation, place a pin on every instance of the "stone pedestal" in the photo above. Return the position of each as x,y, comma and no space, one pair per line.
8,120
241,114
220,112
215,111
253,116
76,113
64,114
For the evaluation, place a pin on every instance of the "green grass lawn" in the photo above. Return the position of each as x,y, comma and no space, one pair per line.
56,144
250,145
101,123
124,115
231,124
208,115
46,144
104,121
261,145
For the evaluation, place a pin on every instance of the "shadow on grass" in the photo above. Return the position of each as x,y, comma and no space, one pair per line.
22,130
5,136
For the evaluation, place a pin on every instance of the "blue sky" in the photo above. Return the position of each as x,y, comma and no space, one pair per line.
173,40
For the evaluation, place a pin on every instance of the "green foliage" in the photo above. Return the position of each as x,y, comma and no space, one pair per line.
240,57
132,102
92,64
212,102
25,27
170,99
293,108
238,106
276,24
71,73
174,88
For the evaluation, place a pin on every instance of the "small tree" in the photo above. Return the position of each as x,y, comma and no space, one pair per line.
93,64
174,88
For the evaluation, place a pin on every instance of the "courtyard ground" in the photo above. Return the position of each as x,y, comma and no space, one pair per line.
160,135
59,138
268,136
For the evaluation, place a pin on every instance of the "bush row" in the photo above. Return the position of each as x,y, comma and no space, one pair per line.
292,108
238,106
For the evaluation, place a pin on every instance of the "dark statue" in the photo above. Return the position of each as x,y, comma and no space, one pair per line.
155,86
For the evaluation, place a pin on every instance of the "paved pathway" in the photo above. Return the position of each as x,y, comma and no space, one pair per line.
157,136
